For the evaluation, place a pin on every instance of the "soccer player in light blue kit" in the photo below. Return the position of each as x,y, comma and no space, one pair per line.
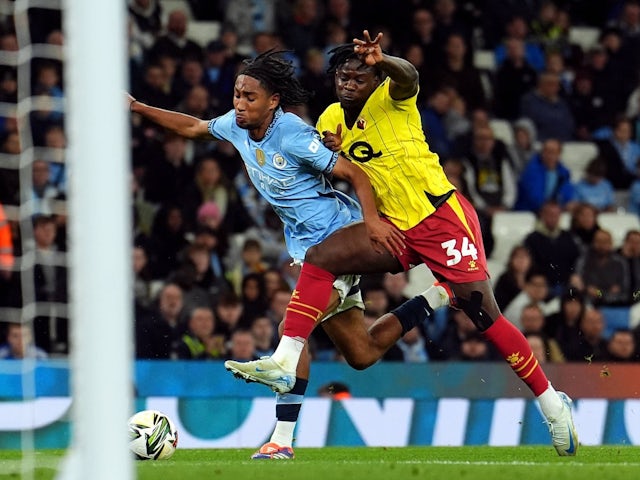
285,158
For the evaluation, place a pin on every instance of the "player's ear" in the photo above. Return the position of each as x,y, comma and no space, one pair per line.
274,101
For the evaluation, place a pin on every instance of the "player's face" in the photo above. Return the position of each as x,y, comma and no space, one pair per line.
254,106
355,81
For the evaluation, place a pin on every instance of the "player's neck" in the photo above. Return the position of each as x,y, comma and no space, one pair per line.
350,116
257,134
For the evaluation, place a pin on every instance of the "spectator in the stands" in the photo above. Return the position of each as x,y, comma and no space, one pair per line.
584,225
220,67
514,78
167,240
175,43
553,249
490,179
254,296
594,188
250,18
511,282
315,79
242,346
588,344
533,322
536,291
545,178
421,34
621,154
157,333
609,83
168,174
518,29
548,110
451,19
263,335
555,63
433,122
564,325
210,184
621,347
155,87
630,253
302,31
190,74
525,144
200,342
458,72
602,273
587,109
19,344
44,194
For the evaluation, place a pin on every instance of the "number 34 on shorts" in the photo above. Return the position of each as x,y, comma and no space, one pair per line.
457,251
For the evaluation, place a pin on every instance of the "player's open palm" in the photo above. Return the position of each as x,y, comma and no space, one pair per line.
369,50
385,236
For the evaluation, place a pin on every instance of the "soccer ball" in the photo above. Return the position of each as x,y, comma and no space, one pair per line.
152,435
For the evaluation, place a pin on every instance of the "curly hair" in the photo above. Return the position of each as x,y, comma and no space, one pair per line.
342,54
277,75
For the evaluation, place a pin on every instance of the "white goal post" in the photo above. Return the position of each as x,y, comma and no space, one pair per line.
100,246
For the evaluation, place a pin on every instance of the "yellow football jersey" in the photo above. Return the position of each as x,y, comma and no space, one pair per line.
388,143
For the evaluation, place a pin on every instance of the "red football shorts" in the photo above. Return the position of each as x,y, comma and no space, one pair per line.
449,242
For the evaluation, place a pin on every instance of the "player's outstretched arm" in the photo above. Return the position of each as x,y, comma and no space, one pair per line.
382,234
184,125
404,76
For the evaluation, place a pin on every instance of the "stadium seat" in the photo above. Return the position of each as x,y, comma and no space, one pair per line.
495,269
509,229
616,318
576,156
202,32
584,37
618,224
502,130
420,278
484,60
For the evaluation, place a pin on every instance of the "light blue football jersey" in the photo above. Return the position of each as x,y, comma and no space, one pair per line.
288,168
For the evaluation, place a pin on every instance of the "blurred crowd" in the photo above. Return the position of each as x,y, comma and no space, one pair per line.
503,89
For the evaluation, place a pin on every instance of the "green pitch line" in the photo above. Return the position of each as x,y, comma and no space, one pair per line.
361,463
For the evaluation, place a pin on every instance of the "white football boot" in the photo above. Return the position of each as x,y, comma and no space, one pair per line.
265,371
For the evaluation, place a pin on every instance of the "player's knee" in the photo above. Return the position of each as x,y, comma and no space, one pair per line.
473,308
358,361
313,256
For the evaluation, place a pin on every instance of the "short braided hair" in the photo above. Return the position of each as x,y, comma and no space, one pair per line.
277,75
342,54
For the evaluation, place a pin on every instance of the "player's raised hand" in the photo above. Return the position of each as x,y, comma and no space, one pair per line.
385,236
369,50
333,141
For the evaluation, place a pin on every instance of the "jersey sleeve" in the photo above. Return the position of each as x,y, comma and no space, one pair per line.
385,97
220,127
306,146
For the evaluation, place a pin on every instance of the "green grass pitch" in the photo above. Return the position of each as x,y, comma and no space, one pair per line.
361,463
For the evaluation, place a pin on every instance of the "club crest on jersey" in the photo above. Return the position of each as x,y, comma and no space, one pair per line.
260,157
361,123
279,161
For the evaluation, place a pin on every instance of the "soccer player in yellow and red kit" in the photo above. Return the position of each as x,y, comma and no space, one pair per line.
377,126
